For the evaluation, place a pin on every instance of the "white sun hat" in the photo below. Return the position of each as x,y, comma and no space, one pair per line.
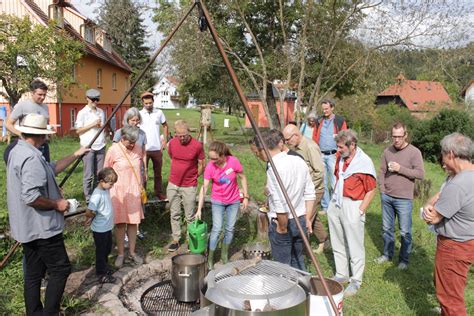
34,124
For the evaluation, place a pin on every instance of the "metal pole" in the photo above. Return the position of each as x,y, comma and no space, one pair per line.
134,84
243,99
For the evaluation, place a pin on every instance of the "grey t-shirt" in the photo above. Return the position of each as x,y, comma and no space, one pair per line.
30,176
456,204
27,107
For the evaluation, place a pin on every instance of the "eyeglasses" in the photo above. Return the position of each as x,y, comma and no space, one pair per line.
94,99
288,139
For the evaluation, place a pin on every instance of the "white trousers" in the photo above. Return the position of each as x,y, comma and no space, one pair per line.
346,230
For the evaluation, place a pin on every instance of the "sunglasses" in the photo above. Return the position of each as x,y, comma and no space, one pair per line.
94,99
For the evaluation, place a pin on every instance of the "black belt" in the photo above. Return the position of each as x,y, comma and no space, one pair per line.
328,152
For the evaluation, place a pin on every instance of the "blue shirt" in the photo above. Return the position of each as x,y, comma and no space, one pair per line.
326,137
101,204
30,176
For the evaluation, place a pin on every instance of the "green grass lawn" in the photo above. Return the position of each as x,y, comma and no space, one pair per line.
385,289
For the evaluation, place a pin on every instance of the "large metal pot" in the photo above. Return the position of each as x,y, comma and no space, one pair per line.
187,276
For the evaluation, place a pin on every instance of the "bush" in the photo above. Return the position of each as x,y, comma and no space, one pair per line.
387,115
428,134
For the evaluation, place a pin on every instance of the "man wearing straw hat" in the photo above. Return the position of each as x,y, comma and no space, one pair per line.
36,214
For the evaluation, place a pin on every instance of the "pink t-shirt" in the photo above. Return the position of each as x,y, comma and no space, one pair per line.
224,180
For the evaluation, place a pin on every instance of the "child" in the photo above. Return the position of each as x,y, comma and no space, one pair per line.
101,214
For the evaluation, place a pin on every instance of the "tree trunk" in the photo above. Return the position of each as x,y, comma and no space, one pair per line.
273,120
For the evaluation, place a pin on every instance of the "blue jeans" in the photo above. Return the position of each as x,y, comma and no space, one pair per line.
329,179
219,211
391,208
288,248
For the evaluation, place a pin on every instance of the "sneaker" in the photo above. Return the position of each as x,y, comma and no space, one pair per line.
402,266
136,259
141,235
340,280
351,289
381,259
106,278
173,247
119,261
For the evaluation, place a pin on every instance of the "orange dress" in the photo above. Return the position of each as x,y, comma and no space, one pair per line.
125,193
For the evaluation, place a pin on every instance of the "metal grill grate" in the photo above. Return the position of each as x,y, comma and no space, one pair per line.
159,300
263,277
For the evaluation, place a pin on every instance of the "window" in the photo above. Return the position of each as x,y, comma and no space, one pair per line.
74,73
99,36
89,34
56,13
99,78
72,117
114,81
107,44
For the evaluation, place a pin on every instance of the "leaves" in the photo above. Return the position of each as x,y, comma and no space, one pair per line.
29,51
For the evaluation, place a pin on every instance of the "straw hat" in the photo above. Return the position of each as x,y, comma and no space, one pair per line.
34,124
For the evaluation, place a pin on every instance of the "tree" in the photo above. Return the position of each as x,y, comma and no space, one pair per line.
29,51
123,22
326,47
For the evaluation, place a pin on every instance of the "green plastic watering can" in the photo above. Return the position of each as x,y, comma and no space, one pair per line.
197,236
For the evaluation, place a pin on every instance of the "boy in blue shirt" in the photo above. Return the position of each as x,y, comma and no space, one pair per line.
101,216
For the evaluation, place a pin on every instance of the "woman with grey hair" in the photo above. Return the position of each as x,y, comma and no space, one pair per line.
132,118
307,127
126,158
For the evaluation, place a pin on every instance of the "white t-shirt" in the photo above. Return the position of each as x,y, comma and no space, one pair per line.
85,117
150,124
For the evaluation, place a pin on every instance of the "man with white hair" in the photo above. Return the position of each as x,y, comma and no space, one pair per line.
355,189
36,213
453,217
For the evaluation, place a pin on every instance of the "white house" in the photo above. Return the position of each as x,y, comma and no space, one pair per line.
167,95
468,94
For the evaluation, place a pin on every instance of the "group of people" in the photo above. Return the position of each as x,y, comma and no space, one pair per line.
321,164
350,180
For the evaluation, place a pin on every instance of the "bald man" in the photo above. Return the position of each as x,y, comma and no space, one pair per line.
311,154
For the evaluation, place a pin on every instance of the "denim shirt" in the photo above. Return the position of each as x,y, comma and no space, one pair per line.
326,138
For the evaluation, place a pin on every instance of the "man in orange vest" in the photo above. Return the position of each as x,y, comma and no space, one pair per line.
327,127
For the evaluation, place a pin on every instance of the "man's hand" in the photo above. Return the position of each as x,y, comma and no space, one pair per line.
62,205
309,226
81,151
431,216
394,166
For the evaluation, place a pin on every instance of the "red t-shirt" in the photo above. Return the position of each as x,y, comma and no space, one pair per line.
184,162
357,185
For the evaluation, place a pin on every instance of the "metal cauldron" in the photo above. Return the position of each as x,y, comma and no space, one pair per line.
187,276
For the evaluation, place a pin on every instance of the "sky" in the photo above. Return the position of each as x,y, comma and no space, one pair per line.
87,9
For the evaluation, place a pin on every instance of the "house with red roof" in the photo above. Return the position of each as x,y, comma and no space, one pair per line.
100,67
421,98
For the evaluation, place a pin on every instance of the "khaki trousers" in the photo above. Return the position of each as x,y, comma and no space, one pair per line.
180,196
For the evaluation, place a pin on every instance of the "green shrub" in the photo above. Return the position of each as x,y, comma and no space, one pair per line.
428,134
